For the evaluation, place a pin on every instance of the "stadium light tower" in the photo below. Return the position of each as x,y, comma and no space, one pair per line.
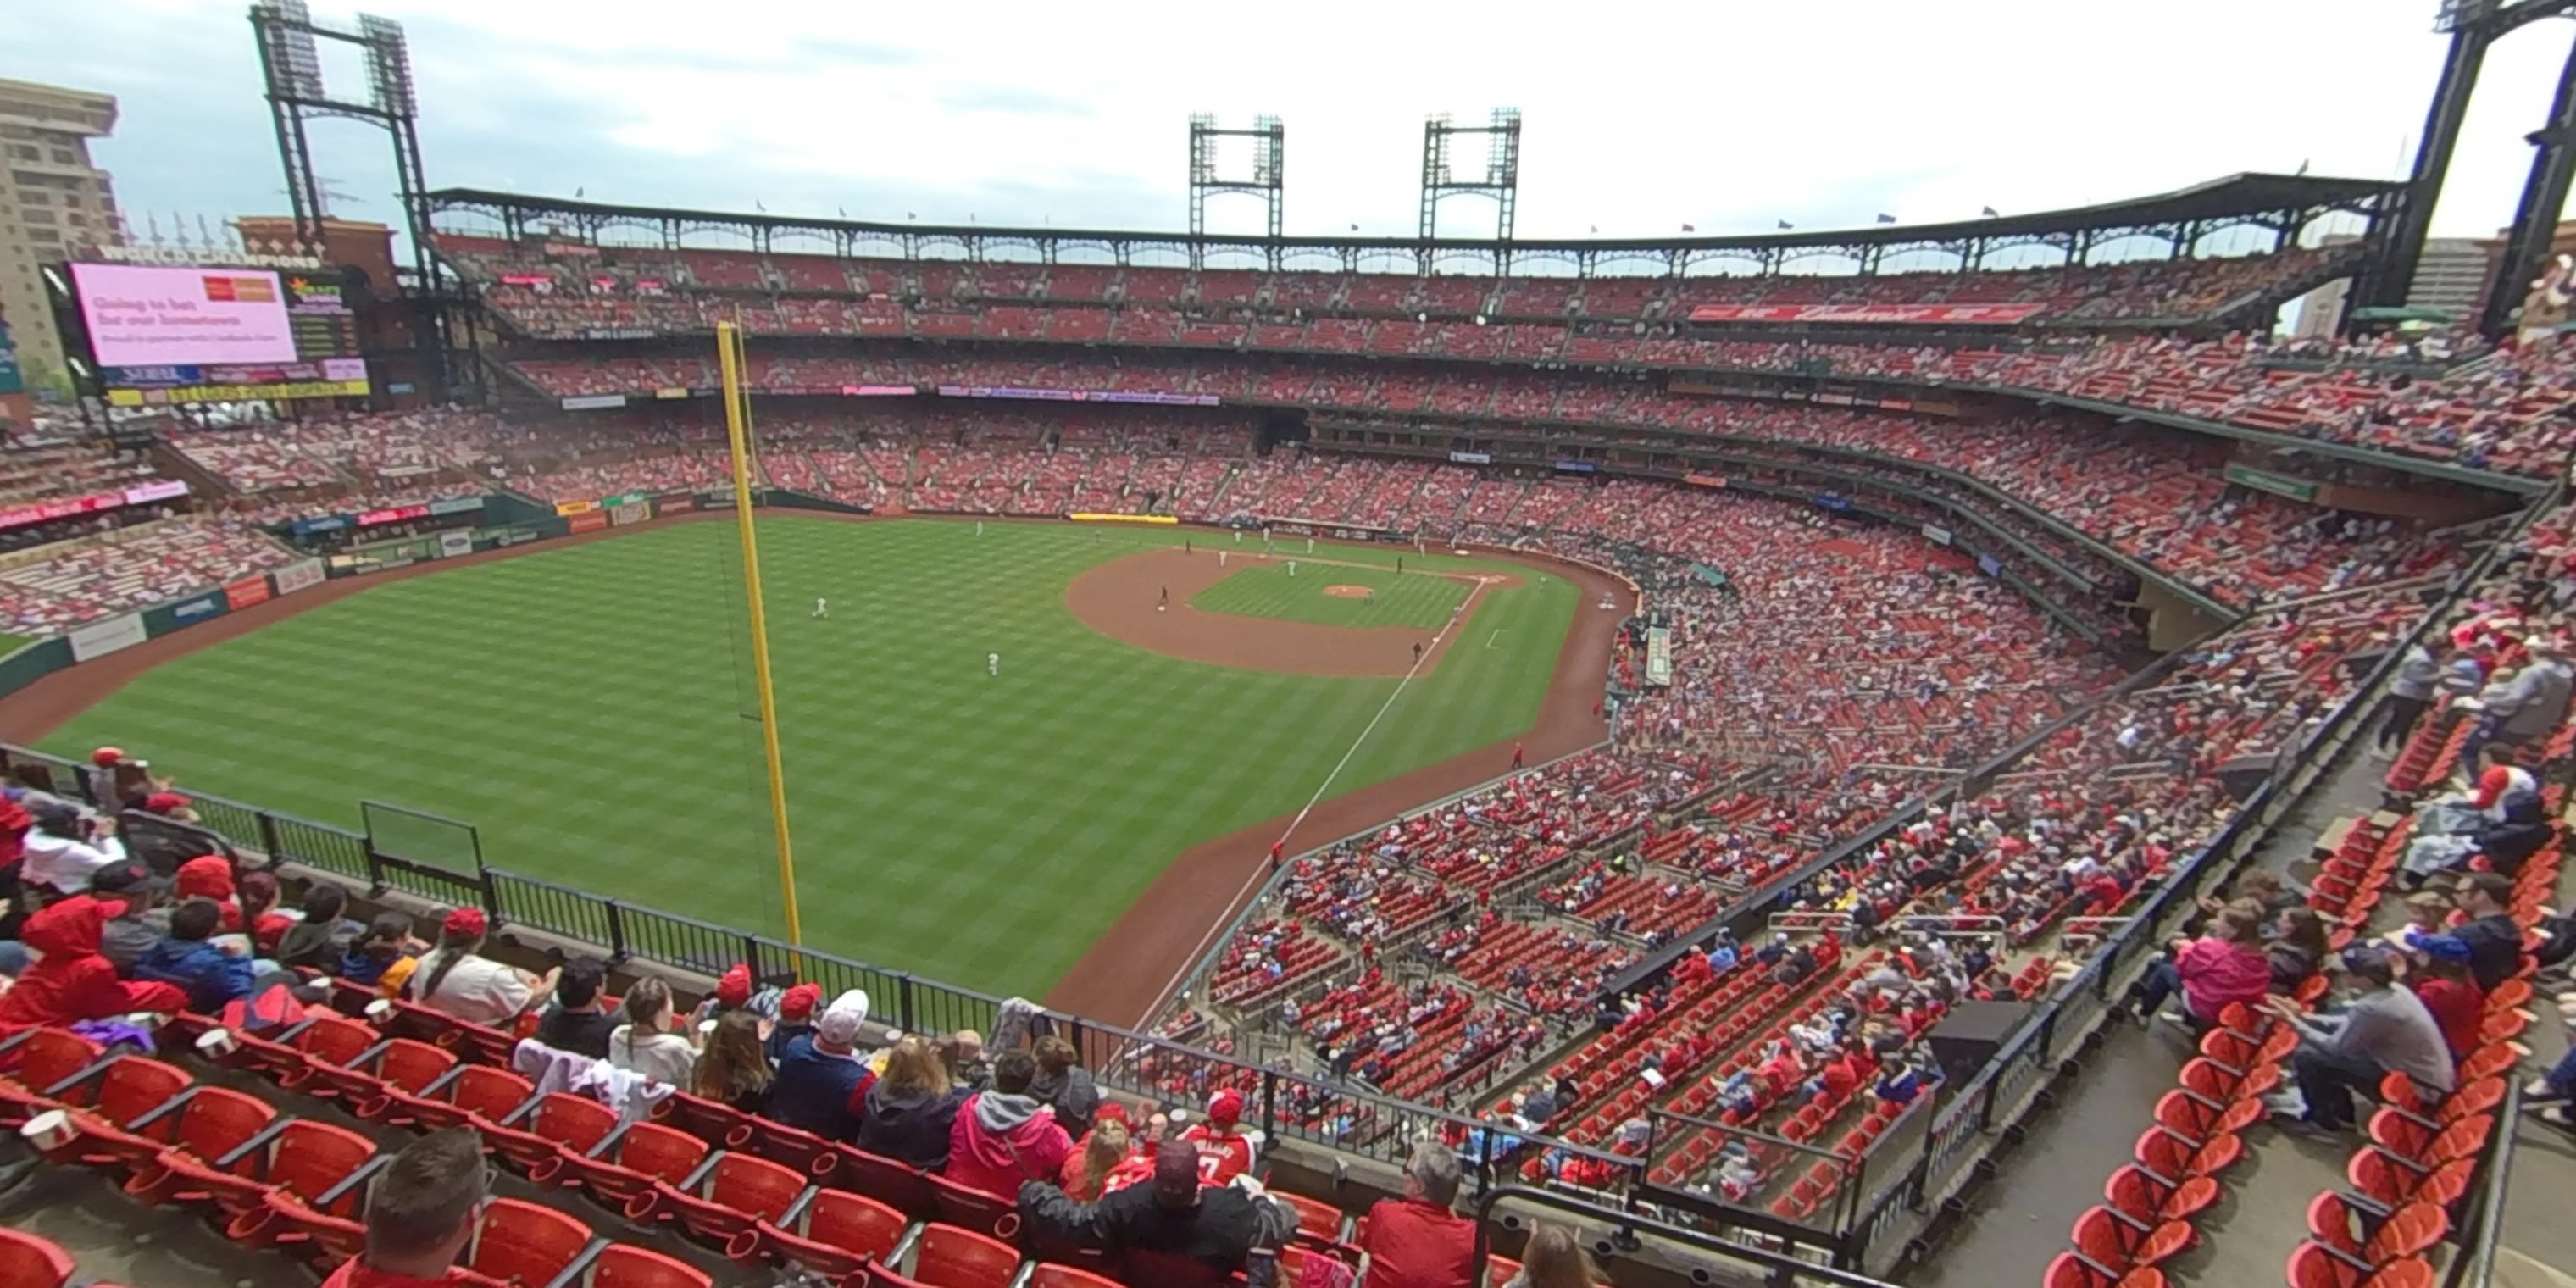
292,66
1267,181
1502,180
2474,26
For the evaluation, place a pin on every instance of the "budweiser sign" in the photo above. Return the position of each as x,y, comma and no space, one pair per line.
1865,314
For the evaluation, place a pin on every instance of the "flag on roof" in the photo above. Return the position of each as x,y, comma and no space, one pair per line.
1785,225
1690,228
1885,218
1991,213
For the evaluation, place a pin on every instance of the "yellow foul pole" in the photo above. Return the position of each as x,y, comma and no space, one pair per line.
737,413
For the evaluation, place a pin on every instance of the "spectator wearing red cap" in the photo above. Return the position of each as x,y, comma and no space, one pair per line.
1224,1151
1003,1136
579,1021
210,877
822,1085
796,1009
455,978
1419,1240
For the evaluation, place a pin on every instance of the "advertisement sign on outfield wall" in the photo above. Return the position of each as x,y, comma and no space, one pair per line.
303,574
455,542
680,504
98,639
574,507
246,592
588,521
456,505
631,512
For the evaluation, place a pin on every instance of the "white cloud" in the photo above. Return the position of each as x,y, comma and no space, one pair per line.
1639,117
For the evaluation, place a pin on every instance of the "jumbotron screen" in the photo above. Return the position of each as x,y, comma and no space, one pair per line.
217,334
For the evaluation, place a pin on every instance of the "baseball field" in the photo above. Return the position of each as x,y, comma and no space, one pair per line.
981,820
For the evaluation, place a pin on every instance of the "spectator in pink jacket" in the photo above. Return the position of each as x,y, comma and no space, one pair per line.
1003,1136
2226,965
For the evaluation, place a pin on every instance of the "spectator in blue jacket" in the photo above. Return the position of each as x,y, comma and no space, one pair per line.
822,1085
212,978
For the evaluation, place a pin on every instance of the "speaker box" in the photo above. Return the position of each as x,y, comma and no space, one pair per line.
2243,774
1969,1035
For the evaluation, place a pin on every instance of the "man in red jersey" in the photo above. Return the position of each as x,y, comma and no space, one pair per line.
1224,1151
420,1213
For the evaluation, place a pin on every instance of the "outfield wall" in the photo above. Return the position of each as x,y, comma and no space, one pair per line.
511,520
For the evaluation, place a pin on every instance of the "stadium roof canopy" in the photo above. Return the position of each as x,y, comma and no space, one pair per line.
2275,200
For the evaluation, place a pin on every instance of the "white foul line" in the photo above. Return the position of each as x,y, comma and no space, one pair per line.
1261,873
1489,640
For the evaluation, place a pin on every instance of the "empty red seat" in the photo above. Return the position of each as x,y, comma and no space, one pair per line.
204,1122
622,1266
949,1257
831,1232
524,1242
896,1184
551,1124
625,1164
471,1095
32,1063
2071,1271
29,1262
728,1195
1054,1276
970,1208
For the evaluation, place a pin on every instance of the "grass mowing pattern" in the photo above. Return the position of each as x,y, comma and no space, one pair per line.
584,707
1403,599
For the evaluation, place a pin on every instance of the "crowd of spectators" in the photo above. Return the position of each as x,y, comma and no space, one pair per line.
789,293
2159,496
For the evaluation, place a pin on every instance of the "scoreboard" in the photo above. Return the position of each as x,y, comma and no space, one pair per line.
166,336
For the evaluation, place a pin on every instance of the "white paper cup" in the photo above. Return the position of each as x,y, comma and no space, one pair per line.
706,1029
215,1044
380,1010
50,1131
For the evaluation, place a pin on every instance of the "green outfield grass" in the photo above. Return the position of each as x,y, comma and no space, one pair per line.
1409,598
586,708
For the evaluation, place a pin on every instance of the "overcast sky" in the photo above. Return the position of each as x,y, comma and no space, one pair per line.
1639,117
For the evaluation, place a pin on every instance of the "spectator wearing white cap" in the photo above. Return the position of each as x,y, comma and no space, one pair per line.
822,1085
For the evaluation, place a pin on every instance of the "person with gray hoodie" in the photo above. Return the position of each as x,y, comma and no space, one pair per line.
1065,1085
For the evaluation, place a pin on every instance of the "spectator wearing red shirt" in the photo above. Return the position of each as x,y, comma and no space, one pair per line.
70,981
1224,1151
420,1214
1417,1241
2439,974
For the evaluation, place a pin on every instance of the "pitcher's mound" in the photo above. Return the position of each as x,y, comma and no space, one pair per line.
1347,592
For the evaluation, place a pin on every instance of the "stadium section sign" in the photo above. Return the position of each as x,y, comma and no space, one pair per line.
1874,314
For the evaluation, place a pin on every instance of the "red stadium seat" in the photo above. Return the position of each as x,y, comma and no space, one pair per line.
524,1242
627,1163
726,1196
29,1262
548,1126
621,1266
831,1232
948,1257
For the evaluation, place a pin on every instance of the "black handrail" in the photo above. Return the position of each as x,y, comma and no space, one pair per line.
1777,1271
